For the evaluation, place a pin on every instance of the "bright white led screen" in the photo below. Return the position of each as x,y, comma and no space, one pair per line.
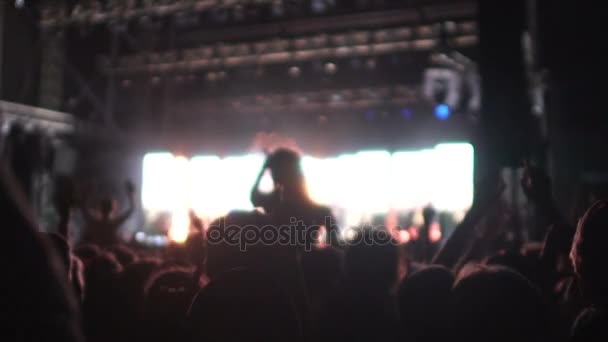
357,186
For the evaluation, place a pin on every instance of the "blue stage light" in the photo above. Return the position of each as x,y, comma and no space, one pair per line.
442,111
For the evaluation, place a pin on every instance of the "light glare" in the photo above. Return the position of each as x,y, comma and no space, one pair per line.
357,186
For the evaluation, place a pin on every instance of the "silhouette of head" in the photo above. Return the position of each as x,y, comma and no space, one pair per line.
285,168
322,269
107,206
102,270
242,305
526,266
491,303
588,254
371,261
100,299
133,279
423,302
223,255
168,294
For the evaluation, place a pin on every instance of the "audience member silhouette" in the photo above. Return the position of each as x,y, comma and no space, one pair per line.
130,297
102,227
289,201
491,303
322,269
243,305
589,259
37,304
268,290
365,308
423,304
232,251
168,295
100,306
238,249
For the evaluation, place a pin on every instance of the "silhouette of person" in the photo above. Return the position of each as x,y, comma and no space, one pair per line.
364,307
423,299
589,259
289,199
493,303
102,226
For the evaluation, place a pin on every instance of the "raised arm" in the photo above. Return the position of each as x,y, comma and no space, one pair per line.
200,270
332,230
460,242
63,200
87,214
37,293
259,199
65,212
536,184
131,206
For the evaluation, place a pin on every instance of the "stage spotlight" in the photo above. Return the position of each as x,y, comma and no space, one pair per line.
330,68
371,64
413,231
294,72
212,76
442,86
349,234
406,113
442,111
435,232
19,3
404,236
155,80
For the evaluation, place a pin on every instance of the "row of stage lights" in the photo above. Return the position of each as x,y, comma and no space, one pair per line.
441,111
409,99
186,11
441,87
292,72
358,45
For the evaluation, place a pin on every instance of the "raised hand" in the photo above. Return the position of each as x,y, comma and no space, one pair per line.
458,246
536,184
64,197
487,192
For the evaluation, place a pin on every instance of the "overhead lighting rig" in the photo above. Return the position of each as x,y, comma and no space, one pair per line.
362,43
